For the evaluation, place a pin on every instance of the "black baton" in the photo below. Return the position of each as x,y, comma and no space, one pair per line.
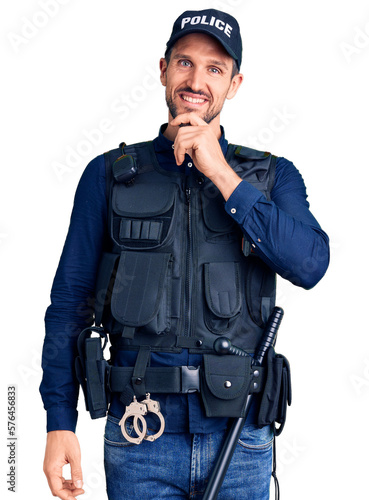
231,440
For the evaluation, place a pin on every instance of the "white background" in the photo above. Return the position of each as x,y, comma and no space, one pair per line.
66,73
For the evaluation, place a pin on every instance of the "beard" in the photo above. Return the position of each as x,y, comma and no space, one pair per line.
209,115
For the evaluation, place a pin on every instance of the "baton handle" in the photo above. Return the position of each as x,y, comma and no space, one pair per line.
221,466
270,334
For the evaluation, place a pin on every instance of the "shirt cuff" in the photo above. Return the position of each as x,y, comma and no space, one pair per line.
61,418
242,200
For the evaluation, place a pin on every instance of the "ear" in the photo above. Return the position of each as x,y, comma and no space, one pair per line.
163,71
235,85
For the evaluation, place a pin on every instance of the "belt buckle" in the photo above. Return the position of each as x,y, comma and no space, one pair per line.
190,379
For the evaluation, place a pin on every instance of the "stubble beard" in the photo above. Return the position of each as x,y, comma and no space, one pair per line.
208,117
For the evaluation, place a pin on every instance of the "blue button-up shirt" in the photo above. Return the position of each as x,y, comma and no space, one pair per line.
283,233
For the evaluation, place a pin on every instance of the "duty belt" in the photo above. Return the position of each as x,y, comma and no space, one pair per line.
224,382
164,380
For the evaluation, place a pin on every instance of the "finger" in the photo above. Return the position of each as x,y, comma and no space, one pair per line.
61,490
179,154
74,493
185,143
55,484
76,471
187,118
69,487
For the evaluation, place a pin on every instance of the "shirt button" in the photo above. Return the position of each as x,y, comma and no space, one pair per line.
233,210
189,164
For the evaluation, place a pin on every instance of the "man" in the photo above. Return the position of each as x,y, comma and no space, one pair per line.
187,247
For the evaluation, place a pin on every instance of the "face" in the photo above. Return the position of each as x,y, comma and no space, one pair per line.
198,77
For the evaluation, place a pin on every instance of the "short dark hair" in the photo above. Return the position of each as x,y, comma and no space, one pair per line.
168,55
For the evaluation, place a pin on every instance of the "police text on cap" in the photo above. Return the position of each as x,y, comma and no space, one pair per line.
218,23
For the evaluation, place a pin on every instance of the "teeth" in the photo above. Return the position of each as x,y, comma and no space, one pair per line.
191,99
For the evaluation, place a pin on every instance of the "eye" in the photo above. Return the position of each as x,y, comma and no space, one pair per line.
185,63
215,71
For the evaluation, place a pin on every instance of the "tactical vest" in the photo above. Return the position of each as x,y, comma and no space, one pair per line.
179,272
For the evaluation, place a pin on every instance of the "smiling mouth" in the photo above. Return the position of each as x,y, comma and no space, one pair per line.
192,100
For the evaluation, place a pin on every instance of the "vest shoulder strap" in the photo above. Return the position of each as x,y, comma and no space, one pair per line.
248,153
238,155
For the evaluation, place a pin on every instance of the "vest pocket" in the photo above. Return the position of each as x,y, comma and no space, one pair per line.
223,295
142,214
218,225
142,293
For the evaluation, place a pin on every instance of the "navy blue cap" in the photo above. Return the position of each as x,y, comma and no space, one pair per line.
215,23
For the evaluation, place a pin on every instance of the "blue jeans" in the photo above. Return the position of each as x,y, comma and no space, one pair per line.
179,465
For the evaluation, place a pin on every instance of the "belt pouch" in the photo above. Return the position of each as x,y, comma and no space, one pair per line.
277,392
225,384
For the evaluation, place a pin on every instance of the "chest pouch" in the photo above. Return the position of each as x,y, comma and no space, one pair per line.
142,214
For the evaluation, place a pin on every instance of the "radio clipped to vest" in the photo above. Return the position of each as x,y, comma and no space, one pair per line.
125,169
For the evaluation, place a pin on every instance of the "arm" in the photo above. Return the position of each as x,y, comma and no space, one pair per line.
283,232
70,311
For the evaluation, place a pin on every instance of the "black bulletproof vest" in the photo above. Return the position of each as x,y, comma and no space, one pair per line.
179,273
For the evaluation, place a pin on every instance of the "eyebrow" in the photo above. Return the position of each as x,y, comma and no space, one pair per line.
219,63
214,62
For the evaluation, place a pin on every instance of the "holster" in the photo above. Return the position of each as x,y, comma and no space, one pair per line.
92,371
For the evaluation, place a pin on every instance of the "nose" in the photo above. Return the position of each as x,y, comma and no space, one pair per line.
195,79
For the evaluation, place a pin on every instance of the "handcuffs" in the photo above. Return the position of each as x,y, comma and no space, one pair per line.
138,410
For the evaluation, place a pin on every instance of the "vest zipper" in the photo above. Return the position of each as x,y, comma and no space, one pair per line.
188,287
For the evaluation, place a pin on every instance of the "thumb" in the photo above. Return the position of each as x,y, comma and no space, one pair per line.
76,471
